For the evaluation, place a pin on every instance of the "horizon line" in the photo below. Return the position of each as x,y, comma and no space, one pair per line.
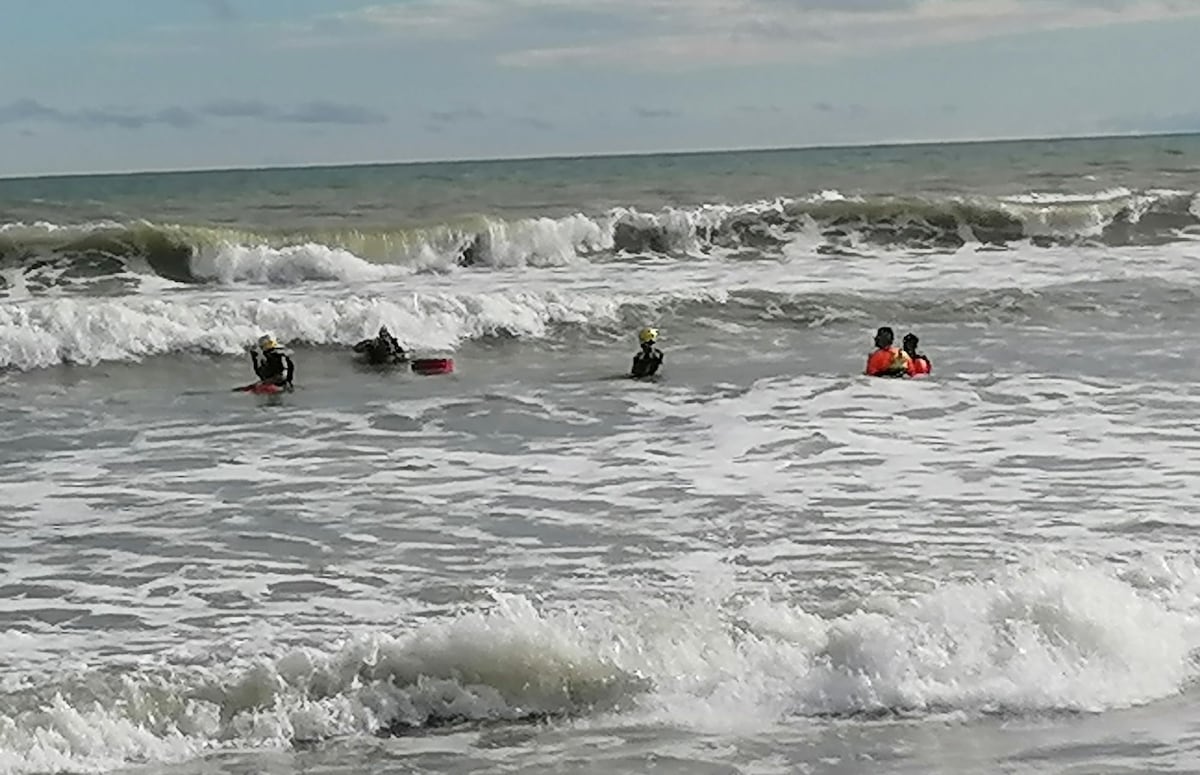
597,155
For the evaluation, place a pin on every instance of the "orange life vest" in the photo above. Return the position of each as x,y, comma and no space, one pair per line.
888,362
919,366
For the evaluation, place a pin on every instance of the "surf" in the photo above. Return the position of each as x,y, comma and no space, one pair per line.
48,256
1038,637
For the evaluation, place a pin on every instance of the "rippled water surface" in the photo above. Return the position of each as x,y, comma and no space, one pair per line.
761,563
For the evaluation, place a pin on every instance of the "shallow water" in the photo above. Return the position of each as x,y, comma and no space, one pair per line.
761,563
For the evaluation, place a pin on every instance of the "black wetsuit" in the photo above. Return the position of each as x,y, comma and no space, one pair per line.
383,349
646,362
275,367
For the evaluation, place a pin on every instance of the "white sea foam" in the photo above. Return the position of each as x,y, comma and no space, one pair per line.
1088,215
742,567
1039,638
1048,198
89,331
18,229
288,266
682,542
439,312
779,226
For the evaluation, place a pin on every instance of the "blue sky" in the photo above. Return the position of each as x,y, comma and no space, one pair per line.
168,84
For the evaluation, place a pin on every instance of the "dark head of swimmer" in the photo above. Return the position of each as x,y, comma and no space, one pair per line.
884,337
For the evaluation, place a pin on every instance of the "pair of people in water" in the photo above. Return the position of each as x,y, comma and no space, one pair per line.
274,366
890,361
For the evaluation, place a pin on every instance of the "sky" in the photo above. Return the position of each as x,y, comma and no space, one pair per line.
120,85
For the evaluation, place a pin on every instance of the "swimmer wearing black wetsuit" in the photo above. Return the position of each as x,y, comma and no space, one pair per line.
650,358
275,367
382,350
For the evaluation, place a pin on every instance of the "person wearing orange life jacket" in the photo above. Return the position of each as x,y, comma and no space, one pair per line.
918,363
887,360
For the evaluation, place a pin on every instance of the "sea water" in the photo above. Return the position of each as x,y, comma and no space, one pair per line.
764,562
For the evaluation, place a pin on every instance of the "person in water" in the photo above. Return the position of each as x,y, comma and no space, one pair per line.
275,367
650,358
918,363
383,349
887,360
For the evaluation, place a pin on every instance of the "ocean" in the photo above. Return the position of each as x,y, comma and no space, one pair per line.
762,563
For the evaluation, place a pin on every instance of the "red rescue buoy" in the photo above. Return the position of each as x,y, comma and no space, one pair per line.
261,388
428,366
266,388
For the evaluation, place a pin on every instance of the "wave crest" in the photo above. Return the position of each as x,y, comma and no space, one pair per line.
43,256
1051,637
87,330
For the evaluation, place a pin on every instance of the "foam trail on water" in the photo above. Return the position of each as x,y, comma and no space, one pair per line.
513,662
1050,637
435,312
91,331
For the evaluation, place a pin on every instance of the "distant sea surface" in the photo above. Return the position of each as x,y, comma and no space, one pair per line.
762,563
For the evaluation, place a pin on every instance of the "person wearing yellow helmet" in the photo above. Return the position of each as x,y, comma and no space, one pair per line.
650,358
275,367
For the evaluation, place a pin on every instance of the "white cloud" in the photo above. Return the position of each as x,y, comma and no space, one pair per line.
685,33
452,18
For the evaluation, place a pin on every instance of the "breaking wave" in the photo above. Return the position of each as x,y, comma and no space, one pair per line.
47,332
1048,638
43,256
